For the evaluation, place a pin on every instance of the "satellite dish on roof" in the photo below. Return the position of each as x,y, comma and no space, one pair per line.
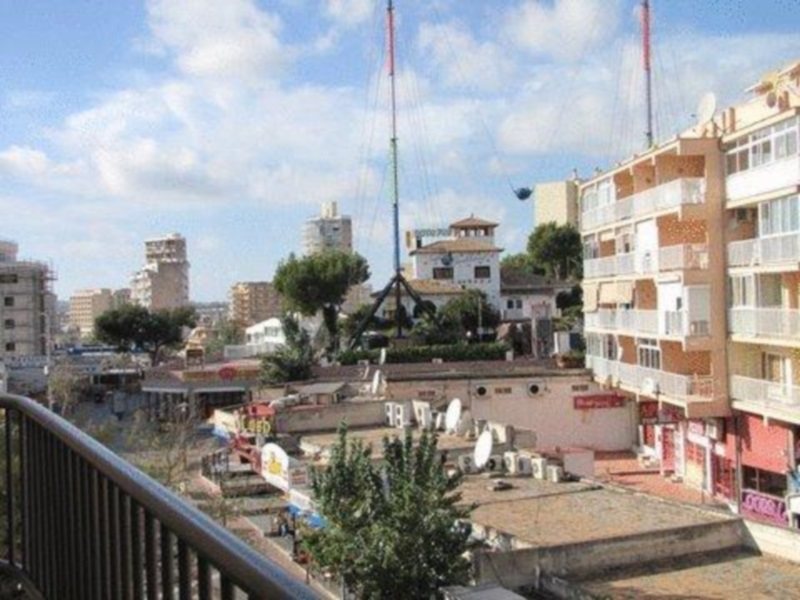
376,383
483,449
706,108
452,415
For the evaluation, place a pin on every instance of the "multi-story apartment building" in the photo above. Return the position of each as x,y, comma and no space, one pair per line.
691,295
27,304
163,283
85,306
329,231
120,297
556,202
252,302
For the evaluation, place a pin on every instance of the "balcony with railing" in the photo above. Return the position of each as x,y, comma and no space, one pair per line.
650,381
768,251
669,258
673,194
680,323
83,524
766,323
776,175
770,395
635,322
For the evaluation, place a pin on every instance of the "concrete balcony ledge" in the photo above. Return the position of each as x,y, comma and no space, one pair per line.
678,257
667,196
768,398
672,324
779,174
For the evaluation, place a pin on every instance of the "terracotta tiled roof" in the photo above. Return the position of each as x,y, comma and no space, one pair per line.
458,245
473,222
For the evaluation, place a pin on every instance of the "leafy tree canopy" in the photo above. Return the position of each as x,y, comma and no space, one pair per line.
520,263
293,360
133,327
462,311
393,530
557,249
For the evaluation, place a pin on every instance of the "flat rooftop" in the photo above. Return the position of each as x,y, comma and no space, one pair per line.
540,513
733,574
322,442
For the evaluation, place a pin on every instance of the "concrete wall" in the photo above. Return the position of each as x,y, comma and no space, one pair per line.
550,413
328,417
524,567
769,539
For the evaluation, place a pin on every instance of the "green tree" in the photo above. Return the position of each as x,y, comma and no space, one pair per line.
394,530
463,312
293,360
133,327
558,249
67,387
520,263
228,333
320,282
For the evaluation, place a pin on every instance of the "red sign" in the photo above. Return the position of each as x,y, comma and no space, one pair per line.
227,373
650,413
598,401
764,507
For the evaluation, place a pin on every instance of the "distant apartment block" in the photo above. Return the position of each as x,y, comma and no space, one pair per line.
556,202
252,302
85,306
329,231
163,283
27,304
120,297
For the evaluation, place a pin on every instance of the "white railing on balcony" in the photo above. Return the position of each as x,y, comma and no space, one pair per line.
634,321
764,392
651,381
778,323
683,256
670,258
680,323
765,251
668,195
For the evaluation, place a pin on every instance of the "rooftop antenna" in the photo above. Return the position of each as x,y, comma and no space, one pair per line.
398,281
648,83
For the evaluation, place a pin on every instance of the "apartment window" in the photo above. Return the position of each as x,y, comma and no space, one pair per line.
763,481
8,324
9,278
442,272
779,216
763,147
648,353
11,347
483,272
591,250
509,303
8,301
775,367
519,303
771,292
743,291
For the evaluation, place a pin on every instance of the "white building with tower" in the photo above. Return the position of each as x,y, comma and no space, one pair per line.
163,283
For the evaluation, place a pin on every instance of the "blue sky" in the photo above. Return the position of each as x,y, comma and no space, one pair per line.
231,121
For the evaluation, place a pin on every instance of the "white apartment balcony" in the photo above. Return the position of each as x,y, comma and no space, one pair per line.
771,398
769,251
679,323
670,195
767,178
651,382
635,322
781,325
669,258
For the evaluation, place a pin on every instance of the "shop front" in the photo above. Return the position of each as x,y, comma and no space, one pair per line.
709,457
769,468
659,437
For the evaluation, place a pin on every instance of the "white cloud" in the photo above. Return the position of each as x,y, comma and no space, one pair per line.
461,60
349,12
24,161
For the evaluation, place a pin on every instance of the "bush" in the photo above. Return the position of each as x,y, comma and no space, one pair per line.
421,354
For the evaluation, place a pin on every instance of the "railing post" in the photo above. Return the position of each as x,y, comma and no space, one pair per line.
9,491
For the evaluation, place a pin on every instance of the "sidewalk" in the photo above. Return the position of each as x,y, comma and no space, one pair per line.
623,469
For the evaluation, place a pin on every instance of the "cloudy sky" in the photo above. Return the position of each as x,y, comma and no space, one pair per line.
231,120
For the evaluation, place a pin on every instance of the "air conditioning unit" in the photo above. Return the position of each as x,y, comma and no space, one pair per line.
439,420
539,467
495,463
524,465
555,473
510,459
466,464
424,417
402,416
650,386
535,388
389,408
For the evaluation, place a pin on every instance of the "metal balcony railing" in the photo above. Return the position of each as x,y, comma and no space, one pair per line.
765,392
651,381
772,323
773,250
83,524
668,258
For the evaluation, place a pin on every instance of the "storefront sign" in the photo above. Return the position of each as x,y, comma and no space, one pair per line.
697,428
761,506
650,413
280,470
598,401
227,373
257,425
